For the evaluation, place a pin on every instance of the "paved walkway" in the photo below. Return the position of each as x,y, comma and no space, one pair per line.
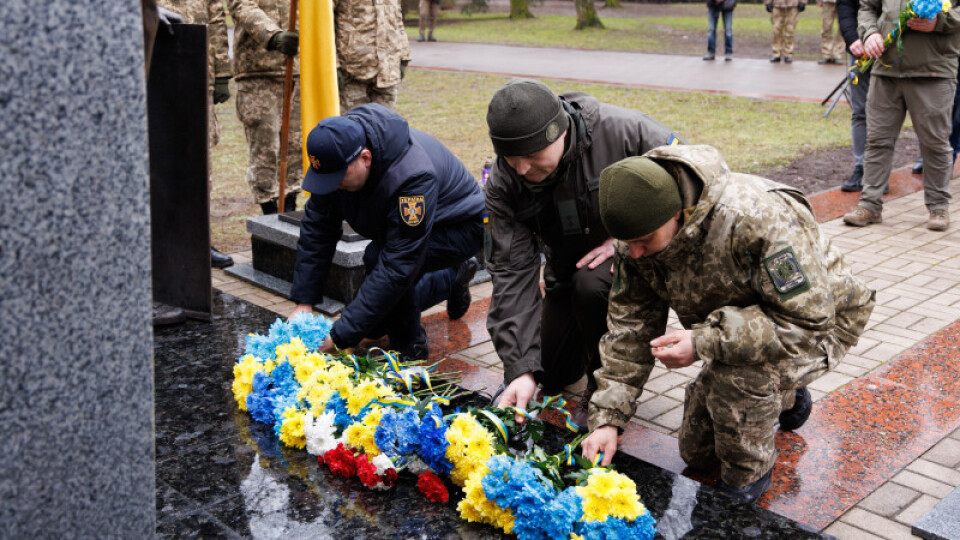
746,77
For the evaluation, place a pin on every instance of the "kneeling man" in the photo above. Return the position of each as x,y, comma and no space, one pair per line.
765,299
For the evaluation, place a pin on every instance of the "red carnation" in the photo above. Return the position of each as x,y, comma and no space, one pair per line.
390,477
341,462
367,471
432,487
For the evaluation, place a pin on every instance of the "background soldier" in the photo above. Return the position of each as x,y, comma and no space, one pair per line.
219,72
372,51
543,190
783,17
261,46
767,302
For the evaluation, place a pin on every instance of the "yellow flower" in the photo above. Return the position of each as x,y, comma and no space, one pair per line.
360,435
243,372
608,493
470,446
291,429
294,351
477,508
364,393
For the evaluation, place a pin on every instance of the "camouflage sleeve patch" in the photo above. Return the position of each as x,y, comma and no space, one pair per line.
412,209
786,273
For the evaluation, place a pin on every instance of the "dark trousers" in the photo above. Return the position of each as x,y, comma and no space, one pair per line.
713,14
574,319
448,247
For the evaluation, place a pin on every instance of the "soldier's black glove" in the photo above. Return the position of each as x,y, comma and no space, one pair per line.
340,78
221,90
769,8
801,6
285,42
403,68
168,17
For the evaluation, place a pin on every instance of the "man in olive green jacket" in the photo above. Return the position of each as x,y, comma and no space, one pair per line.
767,304
922,80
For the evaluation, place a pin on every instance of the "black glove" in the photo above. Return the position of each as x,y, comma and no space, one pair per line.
168,17
221,90
285,42
403,68
801,6
769,8
340,79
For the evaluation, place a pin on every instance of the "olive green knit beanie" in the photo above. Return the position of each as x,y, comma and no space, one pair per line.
524,117
637,197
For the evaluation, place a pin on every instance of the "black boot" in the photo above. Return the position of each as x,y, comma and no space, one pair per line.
917,166
269,207
220,260
418,350
796,416
751,492
289,202
459,301
855,182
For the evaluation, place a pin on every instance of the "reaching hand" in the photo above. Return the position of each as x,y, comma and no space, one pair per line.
301,308
598,255
675,349
518,394
168,17
603,439
221,90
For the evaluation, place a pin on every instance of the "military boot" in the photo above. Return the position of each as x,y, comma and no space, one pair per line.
269,207
796,416
220,260
290,202
751,492
164,315
459,301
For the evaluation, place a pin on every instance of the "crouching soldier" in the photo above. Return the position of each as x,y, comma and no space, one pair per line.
766,301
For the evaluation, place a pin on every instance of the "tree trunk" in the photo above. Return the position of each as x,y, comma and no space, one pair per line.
587,15
519,10
615,4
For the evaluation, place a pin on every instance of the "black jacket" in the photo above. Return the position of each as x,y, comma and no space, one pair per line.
406,163
847,20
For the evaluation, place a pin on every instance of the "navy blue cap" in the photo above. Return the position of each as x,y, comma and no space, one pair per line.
331,146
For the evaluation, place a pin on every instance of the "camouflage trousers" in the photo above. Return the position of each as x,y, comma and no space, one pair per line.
355,92
784,20
730,419
260,110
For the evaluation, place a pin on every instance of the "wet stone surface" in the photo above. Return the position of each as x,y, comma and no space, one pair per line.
222,475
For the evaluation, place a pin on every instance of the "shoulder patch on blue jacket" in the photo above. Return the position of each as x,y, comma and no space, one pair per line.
412,209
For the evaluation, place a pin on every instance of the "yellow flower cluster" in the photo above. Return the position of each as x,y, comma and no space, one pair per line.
320,384
243,372
360,435
470,447
609,493
291,430
365,392
476,507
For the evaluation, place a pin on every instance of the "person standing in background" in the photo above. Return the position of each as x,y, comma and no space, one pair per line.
831,43
429,9
783,17
716,8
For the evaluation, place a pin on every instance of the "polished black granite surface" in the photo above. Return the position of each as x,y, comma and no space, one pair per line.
222,475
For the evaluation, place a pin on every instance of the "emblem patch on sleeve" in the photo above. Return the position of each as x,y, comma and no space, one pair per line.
412,209
786,273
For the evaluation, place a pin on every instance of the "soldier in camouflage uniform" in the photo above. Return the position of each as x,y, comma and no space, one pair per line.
766,300
372,51
219,72
261,46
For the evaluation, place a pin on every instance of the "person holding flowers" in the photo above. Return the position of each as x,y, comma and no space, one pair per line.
766,301
911,49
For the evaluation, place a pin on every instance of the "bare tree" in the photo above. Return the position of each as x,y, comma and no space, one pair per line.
520,10
587,15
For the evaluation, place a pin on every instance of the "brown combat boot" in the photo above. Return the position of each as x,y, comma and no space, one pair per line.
861,217
939,220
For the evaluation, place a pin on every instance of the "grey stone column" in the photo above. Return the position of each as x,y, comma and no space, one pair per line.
76,373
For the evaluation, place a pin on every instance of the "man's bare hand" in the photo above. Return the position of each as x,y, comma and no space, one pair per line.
597,255
873,46
856,48
603,439
675,349
518,394
327,346
922,25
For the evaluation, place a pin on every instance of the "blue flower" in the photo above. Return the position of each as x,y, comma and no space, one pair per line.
260,401
927,9
539,511
433,441
338,405
312,329
642,528
284,378
397,433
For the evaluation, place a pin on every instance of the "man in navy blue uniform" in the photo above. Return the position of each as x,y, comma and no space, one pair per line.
415,201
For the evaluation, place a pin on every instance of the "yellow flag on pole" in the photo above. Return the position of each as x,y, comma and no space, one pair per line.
318,67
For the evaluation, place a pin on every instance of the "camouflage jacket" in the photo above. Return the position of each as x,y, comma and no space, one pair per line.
210,13
256,21
749,271
371,40
521,219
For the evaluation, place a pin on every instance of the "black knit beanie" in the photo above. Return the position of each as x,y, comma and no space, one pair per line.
524,117
637,197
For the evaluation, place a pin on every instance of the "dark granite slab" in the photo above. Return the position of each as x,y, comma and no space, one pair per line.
943,522
219,474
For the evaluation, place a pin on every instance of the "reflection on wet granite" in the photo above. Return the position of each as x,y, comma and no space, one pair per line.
219,474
